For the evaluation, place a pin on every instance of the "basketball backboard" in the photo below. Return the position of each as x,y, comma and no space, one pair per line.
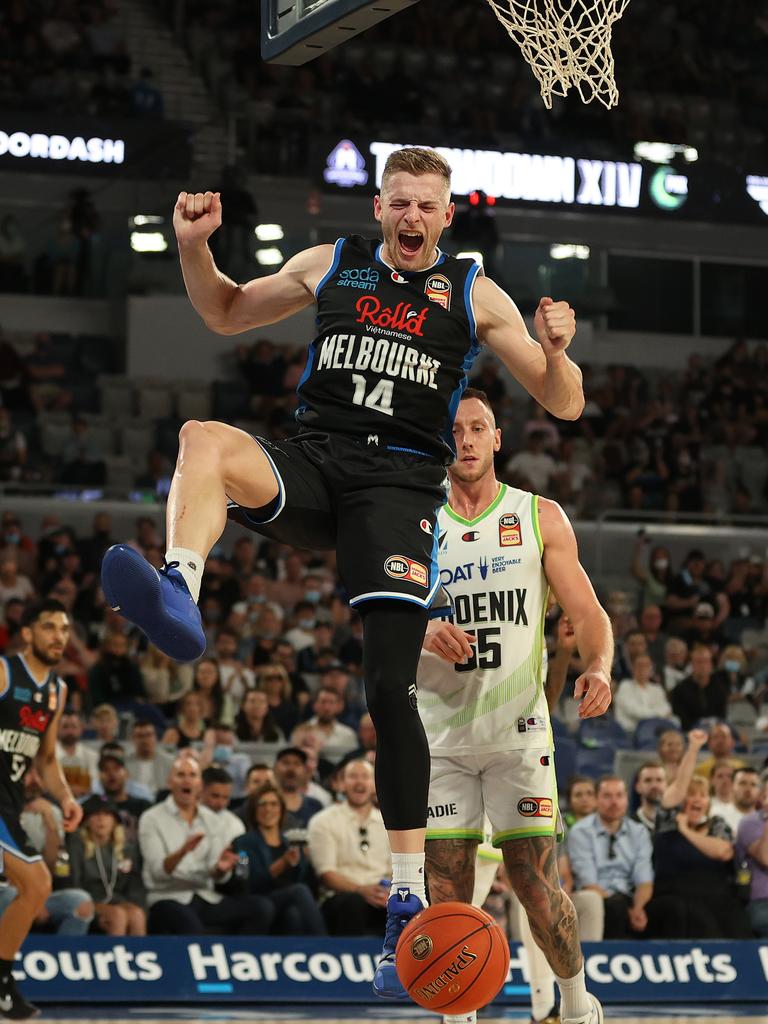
296,31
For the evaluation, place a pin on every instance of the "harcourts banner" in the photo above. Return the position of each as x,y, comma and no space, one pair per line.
178,969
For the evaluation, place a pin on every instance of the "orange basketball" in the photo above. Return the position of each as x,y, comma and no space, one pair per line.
452,958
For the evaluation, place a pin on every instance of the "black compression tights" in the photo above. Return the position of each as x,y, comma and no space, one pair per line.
393,632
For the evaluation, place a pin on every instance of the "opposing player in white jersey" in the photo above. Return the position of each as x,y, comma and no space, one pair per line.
482,699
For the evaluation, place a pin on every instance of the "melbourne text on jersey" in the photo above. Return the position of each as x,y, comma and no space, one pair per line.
380,355
14,742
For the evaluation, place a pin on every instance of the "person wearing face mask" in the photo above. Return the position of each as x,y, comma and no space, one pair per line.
652,571
301,634
731,673
14,542
219,752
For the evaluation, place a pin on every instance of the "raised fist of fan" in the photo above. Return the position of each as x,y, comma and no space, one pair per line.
555,325
196,216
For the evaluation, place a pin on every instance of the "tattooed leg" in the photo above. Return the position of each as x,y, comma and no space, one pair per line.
450,867
532,869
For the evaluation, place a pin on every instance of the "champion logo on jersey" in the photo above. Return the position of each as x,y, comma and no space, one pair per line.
398,278
426,526
470,535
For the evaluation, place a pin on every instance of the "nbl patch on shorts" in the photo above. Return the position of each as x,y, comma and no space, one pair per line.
401,568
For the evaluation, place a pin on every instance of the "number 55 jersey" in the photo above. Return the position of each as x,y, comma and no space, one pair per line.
491,568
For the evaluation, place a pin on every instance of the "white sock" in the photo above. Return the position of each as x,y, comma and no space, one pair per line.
463,1018
191,565
573,996
540,975
408,870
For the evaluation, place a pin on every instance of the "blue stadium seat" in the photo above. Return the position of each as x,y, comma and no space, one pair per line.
601,732
649,730
565,761
594,761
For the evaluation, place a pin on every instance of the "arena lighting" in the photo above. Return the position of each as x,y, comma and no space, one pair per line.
665,152
533,177
568,251
59,147
269,257
757,189
269,232
476,256
144,218
148,241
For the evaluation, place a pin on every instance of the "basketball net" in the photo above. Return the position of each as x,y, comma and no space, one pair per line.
567,43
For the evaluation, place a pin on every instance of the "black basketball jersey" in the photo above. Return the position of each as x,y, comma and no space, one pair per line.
26,711
393,350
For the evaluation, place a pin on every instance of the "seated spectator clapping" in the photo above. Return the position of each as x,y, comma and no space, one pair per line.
185,855
350,853
105,864
277,865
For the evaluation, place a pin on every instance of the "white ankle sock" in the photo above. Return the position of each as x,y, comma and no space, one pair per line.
408,870
191,565
573,996
542,996
463,1018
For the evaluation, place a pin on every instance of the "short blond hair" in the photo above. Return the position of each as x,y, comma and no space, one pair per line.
416,160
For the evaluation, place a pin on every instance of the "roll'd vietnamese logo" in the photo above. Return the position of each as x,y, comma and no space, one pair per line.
402,318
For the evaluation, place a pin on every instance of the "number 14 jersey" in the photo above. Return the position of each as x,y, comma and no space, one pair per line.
393,349
491,567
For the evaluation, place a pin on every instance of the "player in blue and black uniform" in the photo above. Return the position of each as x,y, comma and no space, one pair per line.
32,698
399,326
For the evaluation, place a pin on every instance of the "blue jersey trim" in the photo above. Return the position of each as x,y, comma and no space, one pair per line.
29,673
469,358
408,451
280,491
338,245
392,595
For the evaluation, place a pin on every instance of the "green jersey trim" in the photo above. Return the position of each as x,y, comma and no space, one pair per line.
535,521
524,833
471,522
457,833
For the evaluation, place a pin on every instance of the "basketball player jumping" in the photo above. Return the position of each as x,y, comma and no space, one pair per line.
32,699
482,700
399,325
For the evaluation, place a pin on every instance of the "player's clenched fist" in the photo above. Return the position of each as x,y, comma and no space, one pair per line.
196,216
555,324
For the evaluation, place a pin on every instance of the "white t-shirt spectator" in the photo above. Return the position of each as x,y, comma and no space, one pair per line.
536,468
634,702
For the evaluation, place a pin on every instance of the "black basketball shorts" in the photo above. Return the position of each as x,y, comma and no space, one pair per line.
375,505
13,839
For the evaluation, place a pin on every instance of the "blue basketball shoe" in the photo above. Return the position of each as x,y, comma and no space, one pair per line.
402,906
159,603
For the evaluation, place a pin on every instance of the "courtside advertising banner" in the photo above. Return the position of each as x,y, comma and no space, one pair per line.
254,970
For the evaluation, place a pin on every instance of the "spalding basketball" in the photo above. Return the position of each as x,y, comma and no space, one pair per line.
452,958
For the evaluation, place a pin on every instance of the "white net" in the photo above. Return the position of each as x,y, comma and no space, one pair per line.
567,43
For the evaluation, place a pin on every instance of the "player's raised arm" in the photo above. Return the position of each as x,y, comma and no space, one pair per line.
226,307
543,369
577,598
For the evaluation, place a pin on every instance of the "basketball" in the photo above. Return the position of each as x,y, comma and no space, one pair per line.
452,958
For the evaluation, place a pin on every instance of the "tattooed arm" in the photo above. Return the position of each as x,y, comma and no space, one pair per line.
450,867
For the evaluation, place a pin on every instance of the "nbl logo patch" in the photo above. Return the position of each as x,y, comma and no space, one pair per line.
438,289
509,531
535,807
401,568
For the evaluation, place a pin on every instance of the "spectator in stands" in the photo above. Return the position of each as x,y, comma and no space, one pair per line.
288,590
189,727
274,681
278,866
721,742
705,626
165,681
308,658
78,762
216,704
105,863
533,469
301,634
236,677
732,673
746,790
653,572
68,909
611,855
366,737
148,764
47,371
254,722
698,695
693,856
115,783
327,706
116,678
216,795
258,775
185,855
675,667
14,542
651,618
105,723
319,769
752,848
349,851
13,448
12,583
721,794
580,798
292,778
650,783
92,548
687,590
80,457
640,697
632,644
